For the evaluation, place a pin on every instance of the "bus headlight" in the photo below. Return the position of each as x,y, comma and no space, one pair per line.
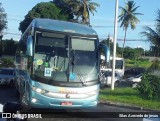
34,100
39,90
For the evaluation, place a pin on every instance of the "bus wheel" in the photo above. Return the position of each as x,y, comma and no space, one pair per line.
24,101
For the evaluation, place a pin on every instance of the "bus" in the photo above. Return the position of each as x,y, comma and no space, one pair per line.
119,67
62,64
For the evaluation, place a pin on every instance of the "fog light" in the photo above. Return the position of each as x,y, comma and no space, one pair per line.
34,100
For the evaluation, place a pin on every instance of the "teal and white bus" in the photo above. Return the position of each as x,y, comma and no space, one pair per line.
62,62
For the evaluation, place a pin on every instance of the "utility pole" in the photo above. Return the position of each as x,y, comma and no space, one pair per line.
114,44
109,41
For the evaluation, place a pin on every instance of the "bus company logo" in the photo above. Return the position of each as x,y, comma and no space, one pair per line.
68,92
67,96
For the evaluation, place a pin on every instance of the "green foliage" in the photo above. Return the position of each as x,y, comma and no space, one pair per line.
129,96
134,54
155,66
7,62
138,63
129,53
3,25
153,35
9,47
81,9
3,19
66,9
149,87
143,59
128,18
43,10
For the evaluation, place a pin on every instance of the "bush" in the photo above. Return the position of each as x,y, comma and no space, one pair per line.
149,87
7,62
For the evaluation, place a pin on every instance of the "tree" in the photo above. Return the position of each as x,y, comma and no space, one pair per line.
65,8
3,19
82,9
154,35
129,53
9,47
155,65
43,10
128,18
154,51
3,25
139,52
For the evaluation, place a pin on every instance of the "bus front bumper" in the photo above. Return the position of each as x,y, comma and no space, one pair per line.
42,101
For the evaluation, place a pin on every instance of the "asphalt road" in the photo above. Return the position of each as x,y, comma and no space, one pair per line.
100,113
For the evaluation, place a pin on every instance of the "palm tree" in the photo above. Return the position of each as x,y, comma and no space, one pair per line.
82,9
154,35
155,65
128,18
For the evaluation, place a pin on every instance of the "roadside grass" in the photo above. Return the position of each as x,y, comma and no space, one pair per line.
138,63
128,96
145,64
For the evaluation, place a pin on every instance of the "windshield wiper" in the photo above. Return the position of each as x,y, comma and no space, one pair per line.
73,62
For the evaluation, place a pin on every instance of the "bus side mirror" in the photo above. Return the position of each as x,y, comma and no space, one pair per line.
30,46
106,51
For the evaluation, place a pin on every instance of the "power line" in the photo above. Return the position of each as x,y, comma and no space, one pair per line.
12,33
94,21
100,39
9,14
119,26
15,20
131,40
113,21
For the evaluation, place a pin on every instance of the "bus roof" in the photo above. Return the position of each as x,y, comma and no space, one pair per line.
64,26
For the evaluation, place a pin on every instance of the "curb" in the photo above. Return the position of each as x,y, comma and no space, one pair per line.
122,105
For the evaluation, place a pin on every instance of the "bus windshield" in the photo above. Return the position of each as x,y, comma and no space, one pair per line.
58,58
84,59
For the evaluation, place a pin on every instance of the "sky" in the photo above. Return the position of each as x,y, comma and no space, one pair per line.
102,21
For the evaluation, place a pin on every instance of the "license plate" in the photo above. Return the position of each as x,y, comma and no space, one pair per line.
66,103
